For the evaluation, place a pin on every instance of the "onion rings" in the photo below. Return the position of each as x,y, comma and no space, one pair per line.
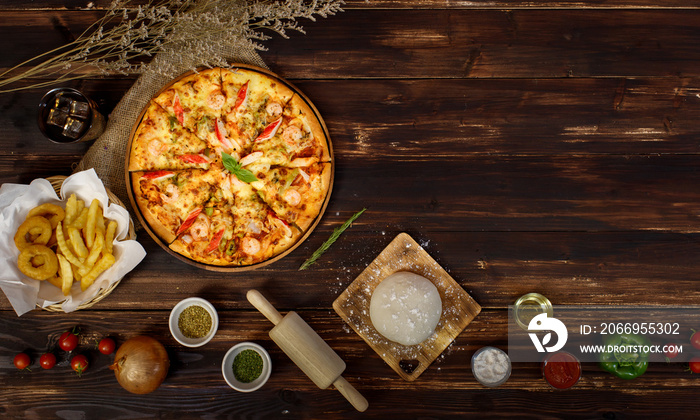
54,213
35,230
44,257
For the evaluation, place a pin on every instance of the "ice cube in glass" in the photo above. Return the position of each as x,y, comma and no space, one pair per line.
79,109
57,117
62,102
73,128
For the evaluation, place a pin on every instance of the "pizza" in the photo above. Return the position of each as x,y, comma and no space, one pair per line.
229,167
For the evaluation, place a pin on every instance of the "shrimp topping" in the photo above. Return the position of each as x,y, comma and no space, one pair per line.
274,109
250,246
200,228
156,148
292,134
171,194
292,197
216,100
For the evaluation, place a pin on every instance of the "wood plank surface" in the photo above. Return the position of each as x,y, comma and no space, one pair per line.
446,389
495,43
547,146
450,43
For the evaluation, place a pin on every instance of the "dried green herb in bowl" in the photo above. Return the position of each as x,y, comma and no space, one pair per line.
193,322
246,367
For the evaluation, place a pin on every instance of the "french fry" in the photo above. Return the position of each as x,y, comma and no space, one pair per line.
69,244
80,206
95,251
100,222
109,236
102,264
71,209
66,274
63,246
76,240
91,223
80,221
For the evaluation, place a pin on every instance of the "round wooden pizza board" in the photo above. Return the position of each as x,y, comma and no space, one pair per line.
231,268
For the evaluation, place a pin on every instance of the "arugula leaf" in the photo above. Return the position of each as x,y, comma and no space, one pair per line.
334,236
235,168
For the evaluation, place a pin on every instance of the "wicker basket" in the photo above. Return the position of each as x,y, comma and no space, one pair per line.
56,182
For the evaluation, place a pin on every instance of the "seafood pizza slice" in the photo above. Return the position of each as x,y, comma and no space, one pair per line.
171,200
253,101
160,142
194,98
259,234
296,195
209,239
295,139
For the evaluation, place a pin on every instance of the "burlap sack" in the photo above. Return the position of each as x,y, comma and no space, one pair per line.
108,154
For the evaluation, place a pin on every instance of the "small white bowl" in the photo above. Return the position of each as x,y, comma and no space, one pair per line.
504,376
175,316
227,367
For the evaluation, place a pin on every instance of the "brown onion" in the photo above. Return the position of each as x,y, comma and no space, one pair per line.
141,364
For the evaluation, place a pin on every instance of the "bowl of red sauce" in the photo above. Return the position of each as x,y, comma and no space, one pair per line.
561,370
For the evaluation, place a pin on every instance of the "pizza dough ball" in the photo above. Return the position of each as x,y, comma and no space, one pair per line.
405,308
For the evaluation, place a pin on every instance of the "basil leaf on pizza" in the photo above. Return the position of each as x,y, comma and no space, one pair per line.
235,168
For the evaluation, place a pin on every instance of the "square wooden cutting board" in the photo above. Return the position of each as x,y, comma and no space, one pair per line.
458,308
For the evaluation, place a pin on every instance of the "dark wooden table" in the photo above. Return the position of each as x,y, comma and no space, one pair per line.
553,147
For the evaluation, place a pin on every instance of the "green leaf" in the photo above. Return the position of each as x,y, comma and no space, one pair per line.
334,236
232,165
245,175
230,162
173,122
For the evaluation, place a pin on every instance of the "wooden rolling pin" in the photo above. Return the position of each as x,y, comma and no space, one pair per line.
307,350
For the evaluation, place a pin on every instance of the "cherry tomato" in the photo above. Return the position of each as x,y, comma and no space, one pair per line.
695,340
694,365
22,361
68,341
671,350
79,363
47,360
106,346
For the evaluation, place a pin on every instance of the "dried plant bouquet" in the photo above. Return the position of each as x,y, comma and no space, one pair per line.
127,36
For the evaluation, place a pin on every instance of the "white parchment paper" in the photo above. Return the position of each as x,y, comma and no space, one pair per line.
16,200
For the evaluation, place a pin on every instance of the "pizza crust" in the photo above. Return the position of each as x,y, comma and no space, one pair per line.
156,226
315,204
181,248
